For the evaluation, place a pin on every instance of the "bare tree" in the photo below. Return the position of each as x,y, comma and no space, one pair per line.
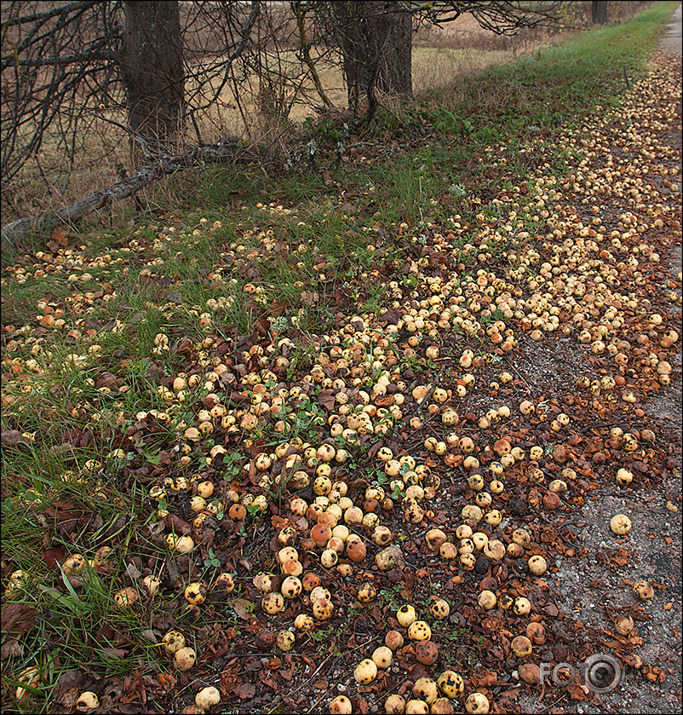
190,73
599,12
154,71
55,68
151,65
73,70
375,37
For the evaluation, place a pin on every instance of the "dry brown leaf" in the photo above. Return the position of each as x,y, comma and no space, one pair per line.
241,607
11,438
17,619
53,555
246,691
326,399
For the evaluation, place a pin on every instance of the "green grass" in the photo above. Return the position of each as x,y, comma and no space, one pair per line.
560,84
534,97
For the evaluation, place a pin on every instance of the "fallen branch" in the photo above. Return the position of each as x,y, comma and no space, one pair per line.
49,219
168,164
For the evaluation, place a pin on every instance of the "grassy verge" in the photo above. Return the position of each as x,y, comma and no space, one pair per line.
94,336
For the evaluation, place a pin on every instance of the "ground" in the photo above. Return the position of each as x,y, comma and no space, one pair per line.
146,393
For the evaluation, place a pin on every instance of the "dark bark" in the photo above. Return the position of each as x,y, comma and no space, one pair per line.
599,12
395,45
376,43
152,68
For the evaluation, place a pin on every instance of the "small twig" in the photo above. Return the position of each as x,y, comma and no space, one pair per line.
521,377
434,384
43,176
196,129
144,144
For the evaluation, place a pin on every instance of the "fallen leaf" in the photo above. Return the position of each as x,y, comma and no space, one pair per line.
61,237
241,607
262,326
11,438
166,681
257,447
133,571
107,379
177,525
17,619
276,308
150,635
68,680
339,297
620,557
391,316
246,691
326,399
488,680
11,649
53,555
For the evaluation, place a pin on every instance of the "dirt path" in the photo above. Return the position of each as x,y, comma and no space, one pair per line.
671,42
667,407
596,588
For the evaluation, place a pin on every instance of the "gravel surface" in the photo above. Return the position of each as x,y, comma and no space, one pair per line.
598,587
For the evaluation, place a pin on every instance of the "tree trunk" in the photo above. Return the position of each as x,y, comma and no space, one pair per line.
599,12
395,70
152,68
376,43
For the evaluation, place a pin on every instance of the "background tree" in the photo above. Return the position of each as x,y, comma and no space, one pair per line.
376,44
188,74
72,70
376,37
56,62
151,65
599,12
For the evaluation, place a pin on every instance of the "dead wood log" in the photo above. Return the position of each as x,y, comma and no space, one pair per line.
168,164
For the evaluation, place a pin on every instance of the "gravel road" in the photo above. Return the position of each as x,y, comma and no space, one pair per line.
595,590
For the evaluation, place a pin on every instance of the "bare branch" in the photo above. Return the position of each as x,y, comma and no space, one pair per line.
95,201
66,60
222,68
498,16
299,10
54,66
41,17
